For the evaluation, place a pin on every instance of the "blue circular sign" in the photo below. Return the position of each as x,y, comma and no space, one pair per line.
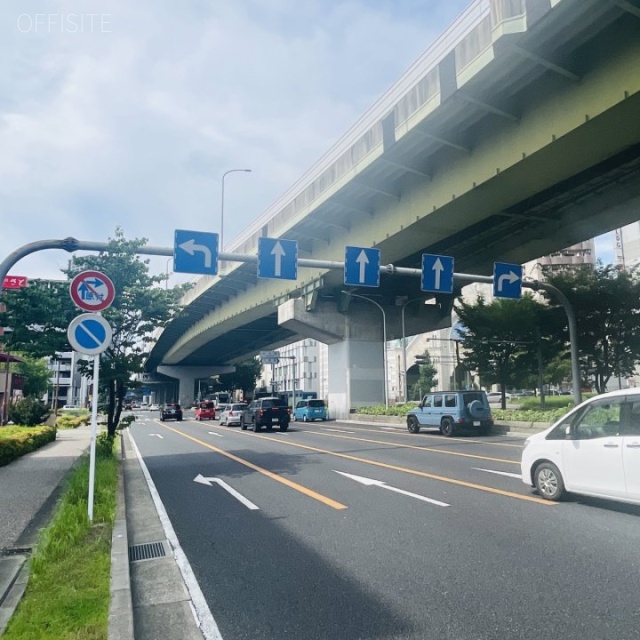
90,334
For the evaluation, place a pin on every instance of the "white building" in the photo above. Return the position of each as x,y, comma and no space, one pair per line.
66,382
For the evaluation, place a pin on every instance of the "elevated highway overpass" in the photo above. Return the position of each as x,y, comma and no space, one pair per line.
515,135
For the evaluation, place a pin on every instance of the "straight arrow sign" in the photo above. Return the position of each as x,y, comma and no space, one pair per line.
369,482
363,261
238,496
277,252
157,435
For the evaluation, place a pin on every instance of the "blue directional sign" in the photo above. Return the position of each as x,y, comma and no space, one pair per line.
362,266
195,252
277,258
89,333
437,273
507,280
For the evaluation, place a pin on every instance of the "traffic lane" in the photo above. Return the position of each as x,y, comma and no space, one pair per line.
179,457
447,463
390,544
249,563
498,532
497,440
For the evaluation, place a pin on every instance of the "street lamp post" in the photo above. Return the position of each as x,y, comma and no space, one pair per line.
384,342
224,175
166,282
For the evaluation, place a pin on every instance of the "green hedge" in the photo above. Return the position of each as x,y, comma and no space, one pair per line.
550,414
16,441
72,420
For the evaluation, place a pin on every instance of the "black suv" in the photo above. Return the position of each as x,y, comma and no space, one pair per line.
171,411
265,412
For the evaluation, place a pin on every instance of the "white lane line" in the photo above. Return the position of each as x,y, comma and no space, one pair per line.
213,433
338,430
500,473
205,618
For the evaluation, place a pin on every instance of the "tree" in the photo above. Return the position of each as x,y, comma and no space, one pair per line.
606,302
507,341
41,314
36,376
426,375
245,376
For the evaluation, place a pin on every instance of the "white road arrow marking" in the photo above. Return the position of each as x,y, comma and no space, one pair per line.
238,496
157,435
511,277
368,482
339,430
363,261
191,247
438,269
500,473
213,433
278,252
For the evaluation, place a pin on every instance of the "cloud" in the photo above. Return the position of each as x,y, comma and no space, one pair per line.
130,117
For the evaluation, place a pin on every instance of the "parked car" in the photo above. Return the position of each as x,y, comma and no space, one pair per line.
265,412
451,411
593,450
171,411
206,410
311,409
154,407
232,413
496,396
70,407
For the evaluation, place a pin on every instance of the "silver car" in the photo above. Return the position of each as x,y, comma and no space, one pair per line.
231,414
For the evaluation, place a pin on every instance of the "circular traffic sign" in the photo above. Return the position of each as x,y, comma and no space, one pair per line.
92,291
90,334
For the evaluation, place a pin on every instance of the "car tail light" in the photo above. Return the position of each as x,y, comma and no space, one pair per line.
262,412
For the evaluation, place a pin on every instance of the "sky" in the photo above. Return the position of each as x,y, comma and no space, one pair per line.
126,114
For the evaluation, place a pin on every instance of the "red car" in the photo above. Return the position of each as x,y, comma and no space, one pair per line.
206,411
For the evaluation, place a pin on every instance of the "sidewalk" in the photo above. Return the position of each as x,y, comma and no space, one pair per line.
31,487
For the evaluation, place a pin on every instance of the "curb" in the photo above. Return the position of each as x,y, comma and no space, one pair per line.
121,605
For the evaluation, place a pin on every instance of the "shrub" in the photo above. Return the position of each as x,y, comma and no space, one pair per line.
28,412
72,420
16,441
104,445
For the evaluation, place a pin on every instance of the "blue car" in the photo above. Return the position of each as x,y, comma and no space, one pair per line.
310,410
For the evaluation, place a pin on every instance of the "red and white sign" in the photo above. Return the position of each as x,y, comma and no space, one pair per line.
92,291
14,282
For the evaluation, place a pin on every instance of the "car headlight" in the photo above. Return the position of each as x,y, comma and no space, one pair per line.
527,442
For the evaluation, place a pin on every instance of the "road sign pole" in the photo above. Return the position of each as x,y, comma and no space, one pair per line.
94,431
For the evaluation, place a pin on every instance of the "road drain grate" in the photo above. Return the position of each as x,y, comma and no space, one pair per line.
146,551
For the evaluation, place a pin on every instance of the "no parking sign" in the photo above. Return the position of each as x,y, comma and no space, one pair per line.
90,334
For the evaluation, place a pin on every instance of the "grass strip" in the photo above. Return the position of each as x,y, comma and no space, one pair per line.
68,594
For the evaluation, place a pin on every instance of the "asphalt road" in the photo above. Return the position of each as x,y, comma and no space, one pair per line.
343,531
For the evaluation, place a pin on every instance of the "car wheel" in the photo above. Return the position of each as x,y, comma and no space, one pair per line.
256,427
284,426
447,427
179,419
412,424
548,481
243,424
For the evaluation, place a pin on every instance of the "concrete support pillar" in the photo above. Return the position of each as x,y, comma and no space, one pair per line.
354,335
187,377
